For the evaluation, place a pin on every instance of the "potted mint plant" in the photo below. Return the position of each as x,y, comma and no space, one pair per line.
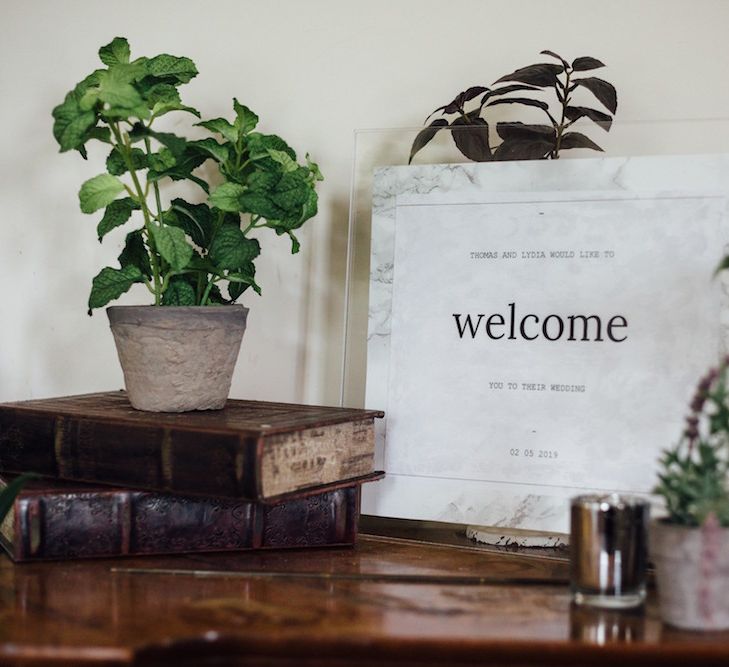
195,258
690,547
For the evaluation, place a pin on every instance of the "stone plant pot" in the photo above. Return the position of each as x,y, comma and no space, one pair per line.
177,359
692,575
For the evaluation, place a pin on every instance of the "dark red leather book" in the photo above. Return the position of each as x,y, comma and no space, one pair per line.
251,449
64,520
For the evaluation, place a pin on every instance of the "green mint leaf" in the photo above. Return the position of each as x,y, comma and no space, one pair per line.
161,161
181,168
227,196
259,204
71,123
110,284
122,97
295,245
231,250
165,66
196,220
116,165
179,293
98,192
211,148
263,181
241,280
135,253
116,214
172,244
284,159
161,92
177,145
314,171
222,127
245,119
260,144
291,191
115,52
161,108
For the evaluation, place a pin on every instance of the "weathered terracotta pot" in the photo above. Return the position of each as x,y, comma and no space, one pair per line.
177,359
692,575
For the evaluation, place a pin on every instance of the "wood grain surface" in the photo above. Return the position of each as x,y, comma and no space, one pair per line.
385,602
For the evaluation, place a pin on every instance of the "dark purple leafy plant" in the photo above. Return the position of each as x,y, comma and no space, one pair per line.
466,114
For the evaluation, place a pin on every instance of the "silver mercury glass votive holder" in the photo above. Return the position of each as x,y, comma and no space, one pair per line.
608,543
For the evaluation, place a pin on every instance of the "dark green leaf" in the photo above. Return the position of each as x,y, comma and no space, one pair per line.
116,165
505,90
72,124
161,92
110,284
291,191
230,249
602,119
122,97
196,220
723,265
260,204
135,253
180,70
241,280
179,293
173,245
586,63
98,192
523,149
222,127
578,140
260,144
508,131
161,108
10,491
161,161
177,145
426,135
263,181
227,196
541,74
245,119
116,214
521,100
295,245
557,56
181,169
604,91
211,148
472,138
115,52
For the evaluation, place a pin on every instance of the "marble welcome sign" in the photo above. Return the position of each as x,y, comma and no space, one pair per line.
536,329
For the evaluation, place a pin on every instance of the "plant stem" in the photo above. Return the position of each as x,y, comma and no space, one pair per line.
206,293
125,149
565,101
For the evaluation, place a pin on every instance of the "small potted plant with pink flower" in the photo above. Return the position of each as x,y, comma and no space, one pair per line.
690,546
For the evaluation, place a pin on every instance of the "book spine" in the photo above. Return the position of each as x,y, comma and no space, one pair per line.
59,525
131,455
169,459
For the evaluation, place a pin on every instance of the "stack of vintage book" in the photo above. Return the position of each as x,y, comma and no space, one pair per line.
117,481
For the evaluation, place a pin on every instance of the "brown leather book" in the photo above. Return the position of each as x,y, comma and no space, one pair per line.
64,520
250,449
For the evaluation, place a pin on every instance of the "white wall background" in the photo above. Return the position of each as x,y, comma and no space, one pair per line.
314,71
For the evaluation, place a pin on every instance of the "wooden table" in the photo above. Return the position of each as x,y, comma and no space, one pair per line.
387,602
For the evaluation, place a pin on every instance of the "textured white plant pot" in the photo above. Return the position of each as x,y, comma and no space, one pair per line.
177,359
692,575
